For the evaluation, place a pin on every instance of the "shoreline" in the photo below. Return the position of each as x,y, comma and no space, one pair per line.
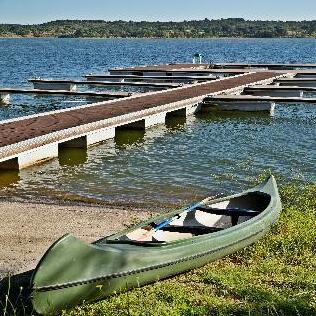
27,229
155,38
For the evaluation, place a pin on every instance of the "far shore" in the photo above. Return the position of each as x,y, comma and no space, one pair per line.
28,229
153,38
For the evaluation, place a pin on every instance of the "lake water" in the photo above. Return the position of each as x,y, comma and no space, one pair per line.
183,160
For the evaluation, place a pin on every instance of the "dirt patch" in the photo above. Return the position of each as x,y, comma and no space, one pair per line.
28,229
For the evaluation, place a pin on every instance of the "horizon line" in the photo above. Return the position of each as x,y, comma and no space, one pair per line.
159,21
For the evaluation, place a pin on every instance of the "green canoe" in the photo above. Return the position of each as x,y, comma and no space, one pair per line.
72,272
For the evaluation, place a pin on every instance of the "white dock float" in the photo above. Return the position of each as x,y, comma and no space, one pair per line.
274,91
100,135
148,77
38,155
297,82
306,75
45,85
252,98
5,93
277,93
156,119
49,82
31,157
244,106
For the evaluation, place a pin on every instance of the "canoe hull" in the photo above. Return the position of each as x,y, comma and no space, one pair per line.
86,273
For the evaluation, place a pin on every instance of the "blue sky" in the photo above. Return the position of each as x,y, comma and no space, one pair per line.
37,11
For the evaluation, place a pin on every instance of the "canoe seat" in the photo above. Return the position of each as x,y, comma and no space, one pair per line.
228,211
234,213
194,230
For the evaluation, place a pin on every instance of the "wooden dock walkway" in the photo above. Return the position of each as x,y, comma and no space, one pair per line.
28,140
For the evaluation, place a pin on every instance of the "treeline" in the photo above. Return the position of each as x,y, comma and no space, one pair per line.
233,27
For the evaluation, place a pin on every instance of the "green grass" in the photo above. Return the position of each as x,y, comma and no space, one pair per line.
276,276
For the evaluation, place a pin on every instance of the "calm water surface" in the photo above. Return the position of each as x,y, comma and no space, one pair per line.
180,161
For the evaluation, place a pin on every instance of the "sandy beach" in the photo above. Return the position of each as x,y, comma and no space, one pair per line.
28,229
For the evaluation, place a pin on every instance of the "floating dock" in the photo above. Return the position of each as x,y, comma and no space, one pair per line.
5,94
251,103
252,98
49,84
207,69
33,139
298,82
278,90
151,78
272,66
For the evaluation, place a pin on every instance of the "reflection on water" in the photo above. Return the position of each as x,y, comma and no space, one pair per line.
175,122
72,156
22,105
221,116
182,161
125,138
9,177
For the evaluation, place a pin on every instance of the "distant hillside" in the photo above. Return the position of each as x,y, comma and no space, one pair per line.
233,27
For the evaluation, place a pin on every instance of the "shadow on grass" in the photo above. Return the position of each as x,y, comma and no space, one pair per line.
15,294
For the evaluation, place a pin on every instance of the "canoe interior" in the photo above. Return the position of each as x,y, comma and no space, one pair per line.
205,219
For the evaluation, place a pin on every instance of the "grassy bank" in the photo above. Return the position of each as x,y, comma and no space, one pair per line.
276,276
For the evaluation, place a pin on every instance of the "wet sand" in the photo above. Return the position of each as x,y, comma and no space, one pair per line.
28,229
